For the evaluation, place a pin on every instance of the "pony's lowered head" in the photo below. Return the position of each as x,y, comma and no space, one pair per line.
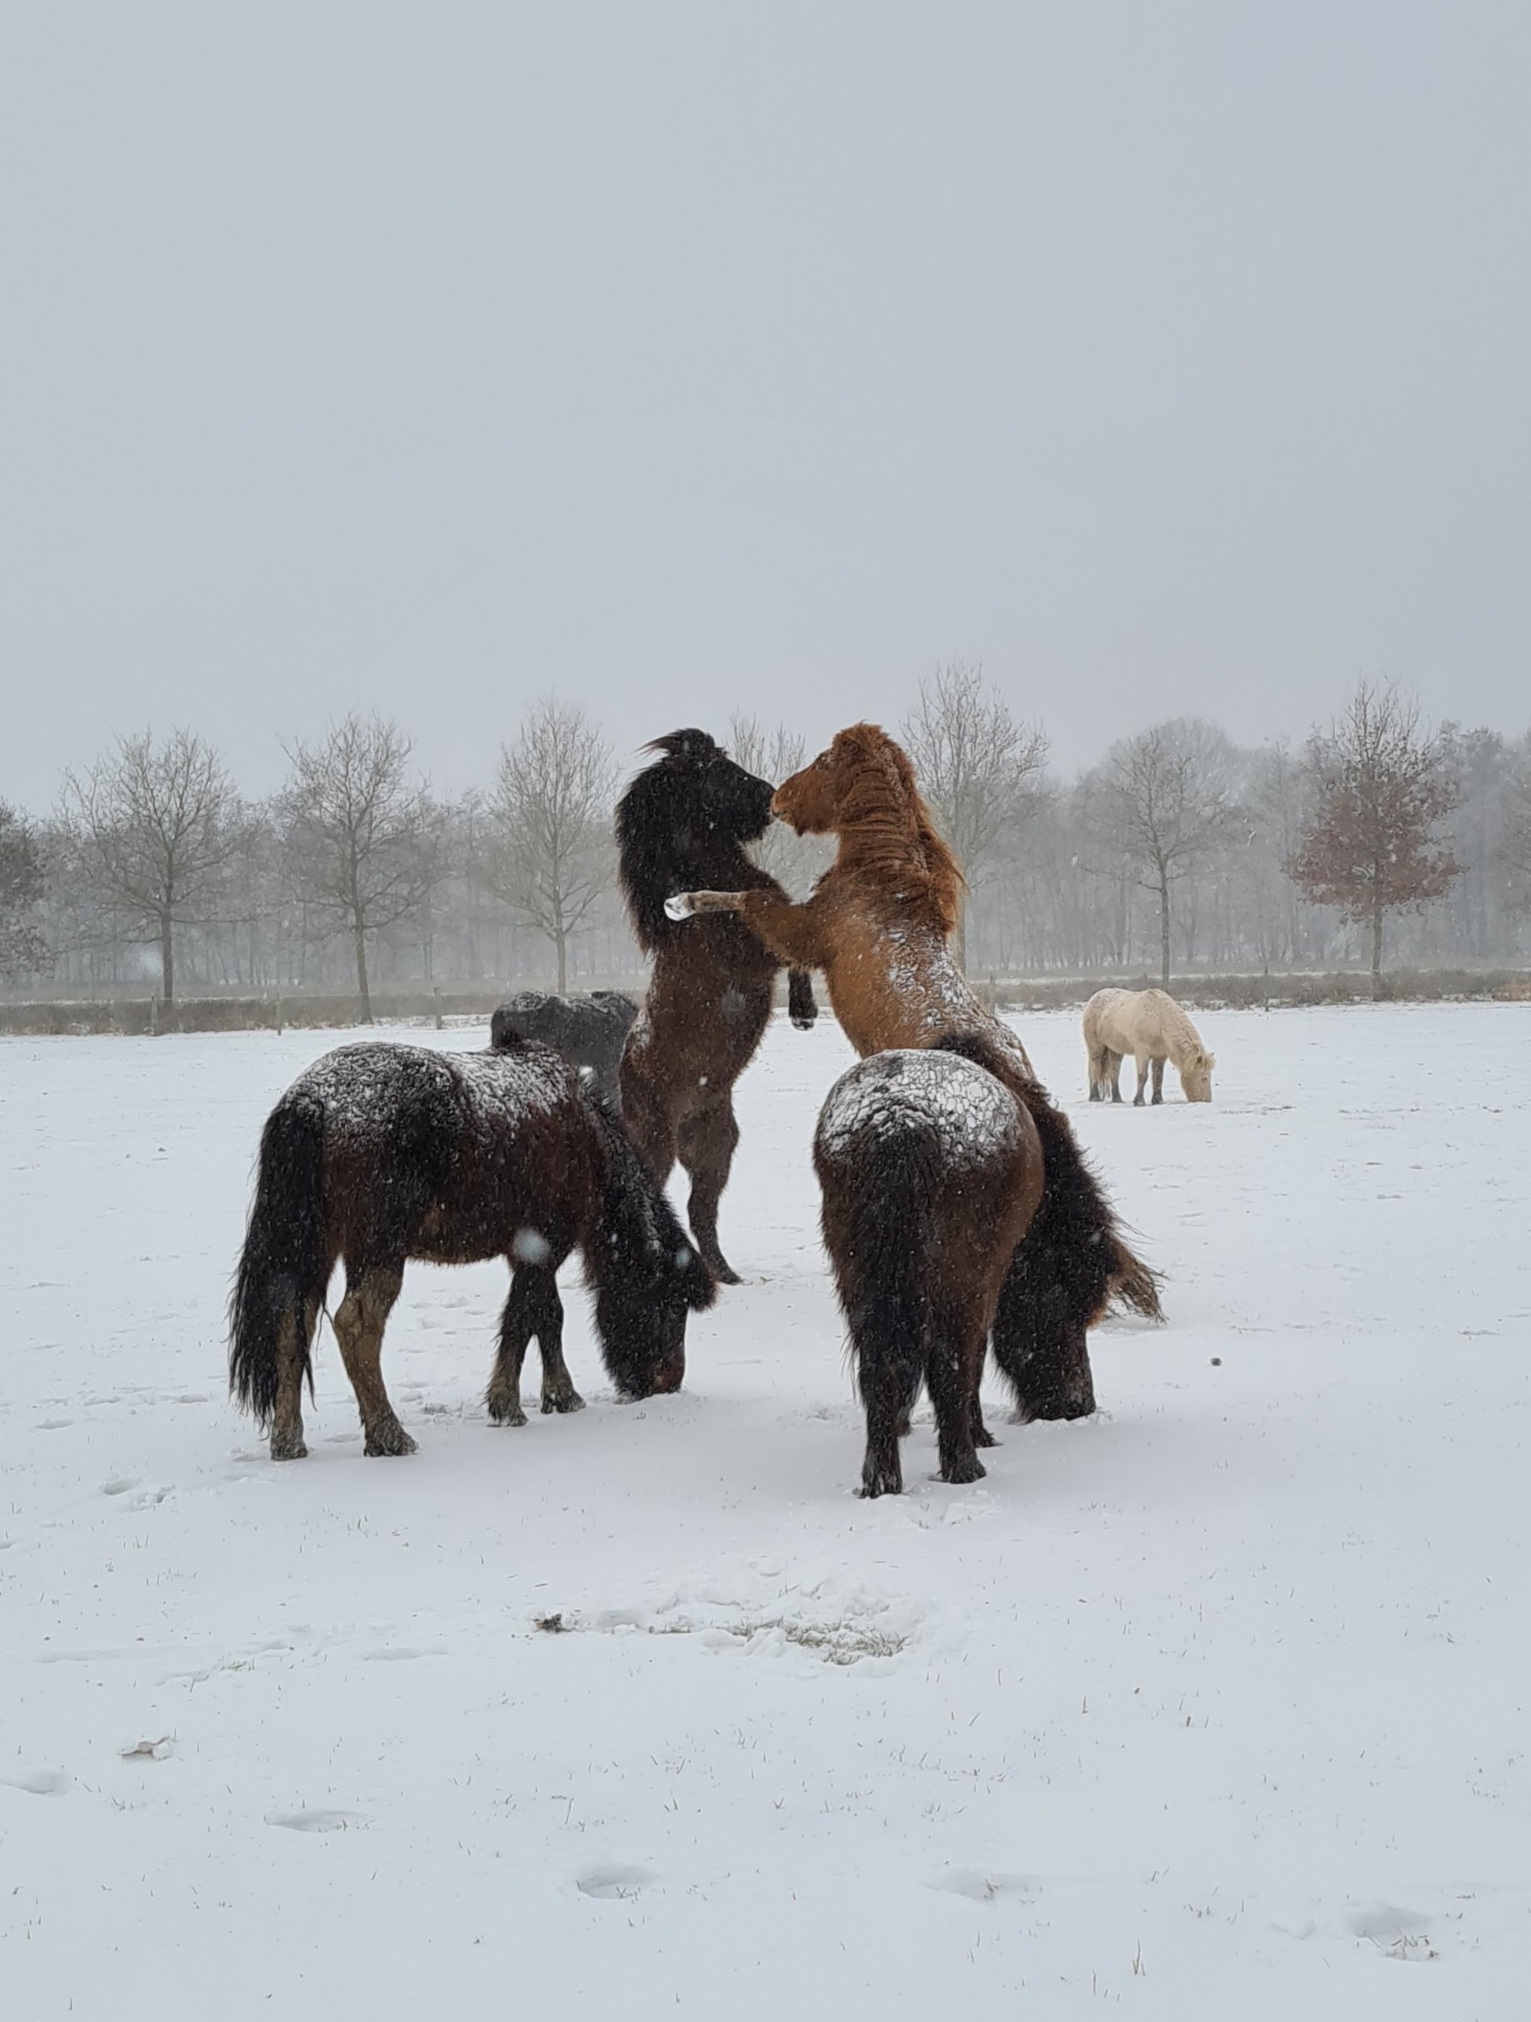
644,1271
1196,1074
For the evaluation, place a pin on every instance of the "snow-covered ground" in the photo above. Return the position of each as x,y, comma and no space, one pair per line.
1212,1706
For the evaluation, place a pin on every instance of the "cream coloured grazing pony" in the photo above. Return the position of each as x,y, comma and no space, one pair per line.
1151,1026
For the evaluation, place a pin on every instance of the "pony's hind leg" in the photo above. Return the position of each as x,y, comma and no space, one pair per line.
953,1364
707,1139
1158,1073
295,1333
359,1325
1114,1074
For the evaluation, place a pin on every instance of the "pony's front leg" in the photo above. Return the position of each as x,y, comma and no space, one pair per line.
359,1325
1142,1065
792,933
801,1008
533,1307
1158,1074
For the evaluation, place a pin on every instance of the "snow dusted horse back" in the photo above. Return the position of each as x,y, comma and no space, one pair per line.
590,1032
1153,1028
685,820
380,1153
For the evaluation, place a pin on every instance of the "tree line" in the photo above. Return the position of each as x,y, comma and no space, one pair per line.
1178,850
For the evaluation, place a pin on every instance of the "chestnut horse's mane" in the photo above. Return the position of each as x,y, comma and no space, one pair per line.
885,828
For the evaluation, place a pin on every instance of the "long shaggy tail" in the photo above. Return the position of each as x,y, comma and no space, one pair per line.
884,1294
284,1266
1074,1248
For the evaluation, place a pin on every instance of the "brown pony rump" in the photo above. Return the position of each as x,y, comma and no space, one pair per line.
930,1174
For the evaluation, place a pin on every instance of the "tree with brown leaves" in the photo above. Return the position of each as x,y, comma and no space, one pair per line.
1382,787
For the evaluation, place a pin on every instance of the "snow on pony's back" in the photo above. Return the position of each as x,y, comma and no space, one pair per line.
359,1085
890,1093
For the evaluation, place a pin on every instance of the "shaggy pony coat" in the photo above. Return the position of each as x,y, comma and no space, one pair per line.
378,1154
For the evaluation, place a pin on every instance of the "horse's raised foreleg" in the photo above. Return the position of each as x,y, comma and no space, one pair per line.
359,1325
801,1007
707,1139
794,934
1158,1073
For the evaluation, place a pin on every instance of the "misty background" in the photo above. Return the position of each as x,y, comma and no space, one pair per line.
1169,359
1161,366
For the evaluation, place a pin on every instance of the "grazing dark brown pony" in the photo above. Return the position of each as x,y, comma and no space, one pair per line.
588,1031
931,1173
684,821
878,925
381,1153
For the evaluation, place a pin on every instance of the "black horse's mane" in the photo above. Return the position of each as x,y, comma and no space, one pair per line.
674,834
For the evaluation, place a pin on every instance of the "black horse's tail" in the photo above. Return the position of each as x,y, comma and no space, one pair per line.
284,1266
1074,1247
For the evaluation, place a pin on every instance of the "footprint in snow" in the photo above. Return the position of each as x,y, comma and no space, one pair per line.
38,1782
315,1820
119,1485
614,1884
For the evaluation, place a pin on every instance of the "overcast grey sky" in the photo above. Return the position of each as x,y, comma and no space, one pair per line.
1167,357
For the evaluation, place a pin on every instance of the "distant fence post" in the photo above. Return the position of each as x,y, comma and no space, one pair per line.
436,996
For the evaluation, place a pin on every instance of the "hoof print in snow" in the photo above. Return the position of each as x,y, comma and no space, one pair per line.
614,1884
314,1821
38,1782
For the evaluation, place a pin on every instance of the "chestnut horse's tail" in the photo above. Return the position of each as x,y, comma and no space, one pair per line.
285,1264
1074,1243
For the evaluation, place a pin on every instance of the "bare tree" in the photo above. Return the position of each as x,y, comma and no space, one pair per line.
363,841
153,827
1163,801
1382,785
553,855
22,948
980,769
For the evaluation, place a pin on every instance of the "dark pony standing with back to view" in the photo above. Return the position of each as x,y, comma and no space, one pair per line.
684,821
954,1212
380,1153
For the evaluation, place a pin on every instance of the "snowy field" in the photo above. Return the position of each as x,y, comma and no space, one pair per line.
1212,1706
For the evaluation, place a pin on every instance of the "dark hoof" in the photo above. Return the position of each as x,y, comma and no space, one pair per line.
505,1410
966,1467
288,1446
1095,1095
387,1442
561,1401
722,1270
805,1024
983,1437
881,1481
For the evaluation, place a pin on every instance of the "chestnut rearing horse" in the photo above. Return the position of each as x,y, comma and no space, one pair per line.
878,926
